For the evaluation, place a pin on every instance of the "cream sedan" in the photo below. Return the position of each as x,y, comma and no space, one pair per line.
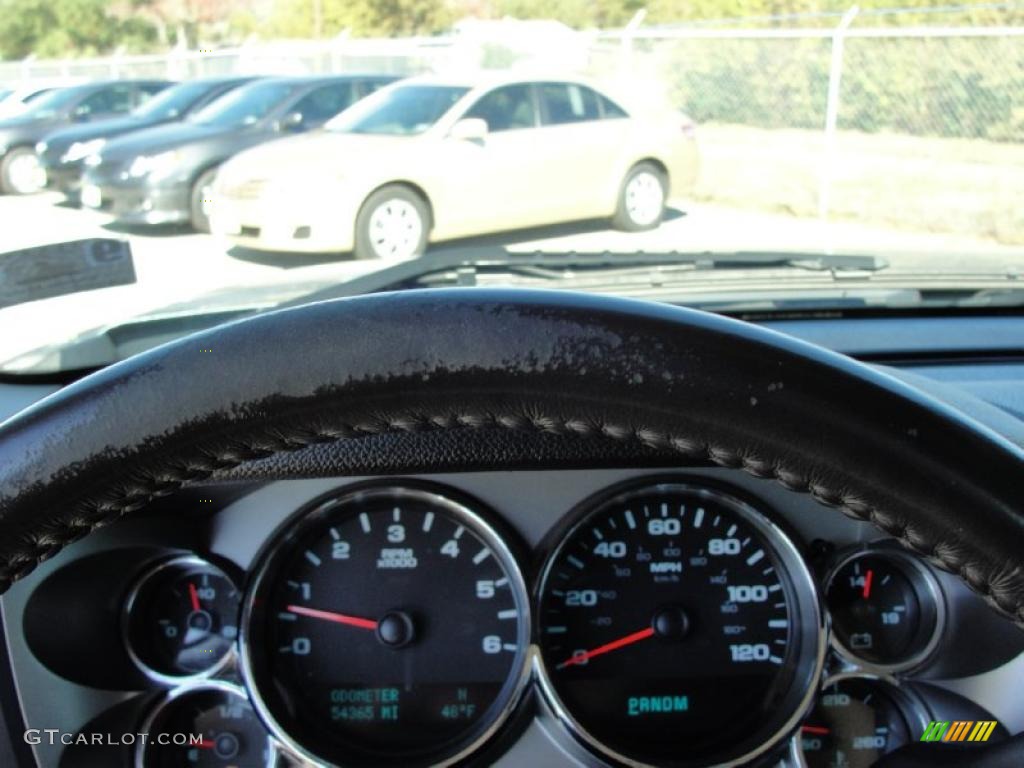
430,159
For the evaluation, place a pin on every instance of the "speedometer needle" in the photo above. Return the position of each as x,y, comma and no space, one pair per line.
867,583
193,595
580,658
339,618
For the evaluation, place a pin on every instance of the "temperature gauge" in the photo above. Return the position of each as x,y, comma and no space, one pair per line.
206,727
886,609
182,619
855,721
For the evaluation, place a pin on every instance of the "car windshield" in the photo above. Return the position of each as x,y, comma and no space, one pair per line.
244,106
399,111
757,159
172,102
52,102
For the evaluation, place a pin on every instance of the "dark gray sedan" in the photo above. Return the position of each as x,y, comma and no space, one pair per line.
62,153
164,174
20,173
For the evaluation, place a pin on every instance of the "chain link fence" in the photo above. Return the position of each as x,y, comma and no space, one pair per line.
915,127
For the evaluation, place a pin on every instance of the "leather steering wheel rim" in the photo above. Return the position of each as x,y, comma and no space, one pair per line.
553,368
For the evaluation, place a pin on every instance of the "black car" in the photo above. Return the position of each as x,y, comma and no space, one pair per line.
163,174
19,169
62,153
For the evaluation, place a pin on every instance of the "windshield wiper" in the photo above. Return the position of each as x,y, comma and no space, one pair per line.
465,267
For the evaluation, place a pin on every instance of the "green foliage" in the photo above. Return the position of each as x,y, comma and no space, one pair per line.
61,28
368,18
580,14
950,87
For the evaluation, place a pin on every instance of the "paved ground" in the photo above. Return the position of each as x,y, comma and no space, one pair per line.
174,264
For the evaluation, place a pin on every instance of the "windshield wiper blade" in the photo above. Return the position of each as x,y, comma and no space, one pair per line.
460,266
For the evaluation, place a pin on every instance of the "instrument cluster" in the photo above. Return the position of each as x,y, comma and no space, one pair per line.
665,620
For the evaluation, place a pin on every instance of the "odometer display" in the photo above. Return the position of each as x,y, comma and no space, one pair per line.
389,626
672,632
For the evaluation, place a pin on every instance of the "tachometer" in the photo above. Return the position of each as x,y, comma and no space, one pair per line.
678,626
390,625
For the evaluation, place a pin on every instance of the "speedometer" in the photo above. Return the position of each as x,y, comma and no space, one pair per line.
679,626
388,626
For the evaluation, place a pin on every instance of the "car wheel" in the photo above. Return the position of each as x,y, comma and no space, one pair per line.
21,173
641,199
199,203
392,224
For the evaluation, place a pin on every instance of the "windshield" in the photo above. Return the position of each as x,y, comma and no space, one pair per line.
750,158
173,102
401,110
244,106
52,102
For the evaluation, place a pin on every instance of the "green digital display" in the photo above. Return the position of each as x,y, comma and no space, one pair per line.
638,706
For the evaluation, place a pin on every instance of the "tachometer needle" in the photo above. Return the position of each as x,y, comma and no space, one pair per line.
817,730
339,618
867,583
193,595
206,744
579,658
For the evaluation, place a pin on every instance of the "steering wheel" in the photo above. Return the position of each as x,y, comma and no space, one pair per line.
463,379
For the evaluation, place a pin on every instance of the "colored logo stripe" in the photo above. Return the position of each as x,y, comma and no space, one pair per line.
958,730
982,730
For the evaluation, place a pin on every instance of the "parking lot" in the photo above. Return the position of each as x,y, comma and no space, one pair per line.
174,264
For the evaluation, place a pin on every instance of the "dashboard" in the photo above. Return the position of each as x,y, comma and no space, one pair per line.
598,616
658,616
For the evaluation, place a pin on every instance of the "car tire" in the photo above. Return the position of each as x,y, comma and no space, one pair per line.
642,199
15,172
199,213
392,224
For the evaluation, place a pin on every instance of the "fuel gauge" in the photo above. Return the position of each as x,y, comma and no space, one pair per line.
209,726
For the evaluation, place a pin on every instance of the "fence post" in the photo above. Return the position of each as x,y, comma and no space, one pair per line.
115,63
835,75
626,49
338,49
26,66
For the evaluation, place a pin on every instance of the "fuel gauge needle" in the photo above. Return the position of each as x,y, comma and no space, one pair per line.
338,618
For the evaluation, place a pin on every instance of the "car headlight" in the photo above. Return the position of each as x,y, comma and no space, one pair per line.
41,147
154,165
81,150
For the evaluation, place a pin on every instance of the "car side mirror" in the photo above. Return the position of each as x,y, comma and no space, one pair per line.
291,122
81,113
469,129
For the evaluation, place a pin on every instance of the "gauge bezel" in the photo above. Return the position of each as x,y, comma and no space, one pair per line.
810,626
229,657
911,706
929,595
472,513
170,697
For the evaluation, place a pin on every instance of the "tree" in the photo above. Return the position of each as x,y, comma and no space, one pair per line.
368,18
59,28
